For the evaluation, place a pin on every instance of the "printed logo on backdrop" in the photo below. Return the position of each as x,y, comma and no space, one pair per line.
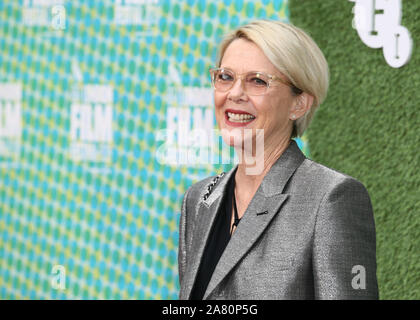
44,13
378,23
91,114
141,13
189,135
10,122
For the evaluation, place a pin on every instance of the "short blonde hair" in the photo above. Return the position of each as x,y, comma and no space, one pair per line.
294,53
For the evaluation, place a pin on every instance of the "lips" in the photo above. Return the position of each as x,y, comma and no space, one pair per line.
238,118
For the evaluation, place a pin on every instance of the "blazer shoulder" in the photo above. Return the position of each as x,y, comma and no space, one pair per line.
324,177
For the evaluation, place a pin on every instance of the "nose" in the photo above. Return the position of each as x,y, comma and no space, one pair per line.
237,90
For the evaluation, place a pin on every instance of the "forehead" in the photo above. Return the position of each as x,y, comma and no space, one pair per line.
242,56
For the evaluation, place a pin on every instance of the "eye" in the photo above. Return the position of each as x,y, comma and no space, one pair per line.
224,76
258,81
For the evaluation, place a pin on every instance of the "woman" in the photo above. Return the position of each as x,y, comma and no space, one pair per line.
294,229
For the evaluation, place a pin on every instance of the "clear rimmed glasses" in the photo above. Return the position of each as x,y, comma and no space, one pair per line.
254,83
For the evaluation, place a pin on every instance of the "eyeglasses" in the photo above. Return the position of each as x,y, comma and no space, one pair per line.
256,83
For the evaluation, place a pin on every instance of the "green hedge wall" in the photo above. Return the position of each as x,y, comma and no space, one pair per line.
368,127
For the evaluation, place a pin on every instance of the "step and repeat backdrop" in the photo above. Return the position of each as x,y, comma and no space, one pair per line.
96,101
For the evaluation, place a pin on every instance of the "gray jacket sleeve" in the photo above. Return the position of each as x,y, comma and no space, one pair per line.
182,242
344,244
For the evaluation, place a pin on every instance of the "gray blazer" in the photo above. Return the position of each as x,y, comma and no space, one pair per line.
308,233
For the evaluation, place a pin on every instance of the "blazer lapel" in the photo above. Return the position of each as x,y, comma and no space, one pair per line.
263,207
250,228
207,210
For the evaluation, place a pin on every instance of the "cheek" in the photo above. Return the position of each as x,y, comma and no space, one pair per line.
219,100
273,112
264,107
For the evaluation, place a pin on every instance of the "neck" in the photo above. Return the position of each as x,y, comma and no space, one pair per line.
265,161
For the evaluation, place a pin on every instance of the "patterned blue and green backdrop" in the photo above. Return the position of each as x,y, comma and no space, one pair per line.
89,208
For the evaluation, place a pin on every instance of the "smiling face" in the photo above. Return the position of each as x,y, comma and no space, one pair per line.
272,111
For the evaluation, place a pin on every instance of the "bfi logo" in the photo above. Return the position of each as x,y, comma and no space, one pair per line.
10,120
378,23
189,134
189,111
91,124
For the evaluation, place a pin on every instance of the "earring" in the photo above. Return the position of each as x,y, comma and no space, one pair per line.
293,117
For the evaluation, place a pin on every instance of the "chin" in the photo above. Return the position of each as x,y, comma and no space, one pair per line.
237,137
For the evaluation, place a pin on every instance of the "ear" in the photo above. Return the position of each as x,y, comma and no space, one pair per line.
302,104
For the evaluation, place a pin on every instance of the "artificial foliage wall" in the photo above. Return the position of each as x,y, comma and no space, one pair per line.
368,127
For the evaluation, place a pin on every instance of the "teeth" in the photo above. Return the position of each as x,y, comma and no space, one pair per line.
236,117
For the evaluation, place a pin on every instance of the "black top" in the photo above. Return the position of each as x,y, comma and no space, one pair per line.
218,239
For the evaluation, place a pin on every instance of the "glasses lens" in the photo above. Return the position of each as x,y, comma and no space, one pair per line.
223,79
256,83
